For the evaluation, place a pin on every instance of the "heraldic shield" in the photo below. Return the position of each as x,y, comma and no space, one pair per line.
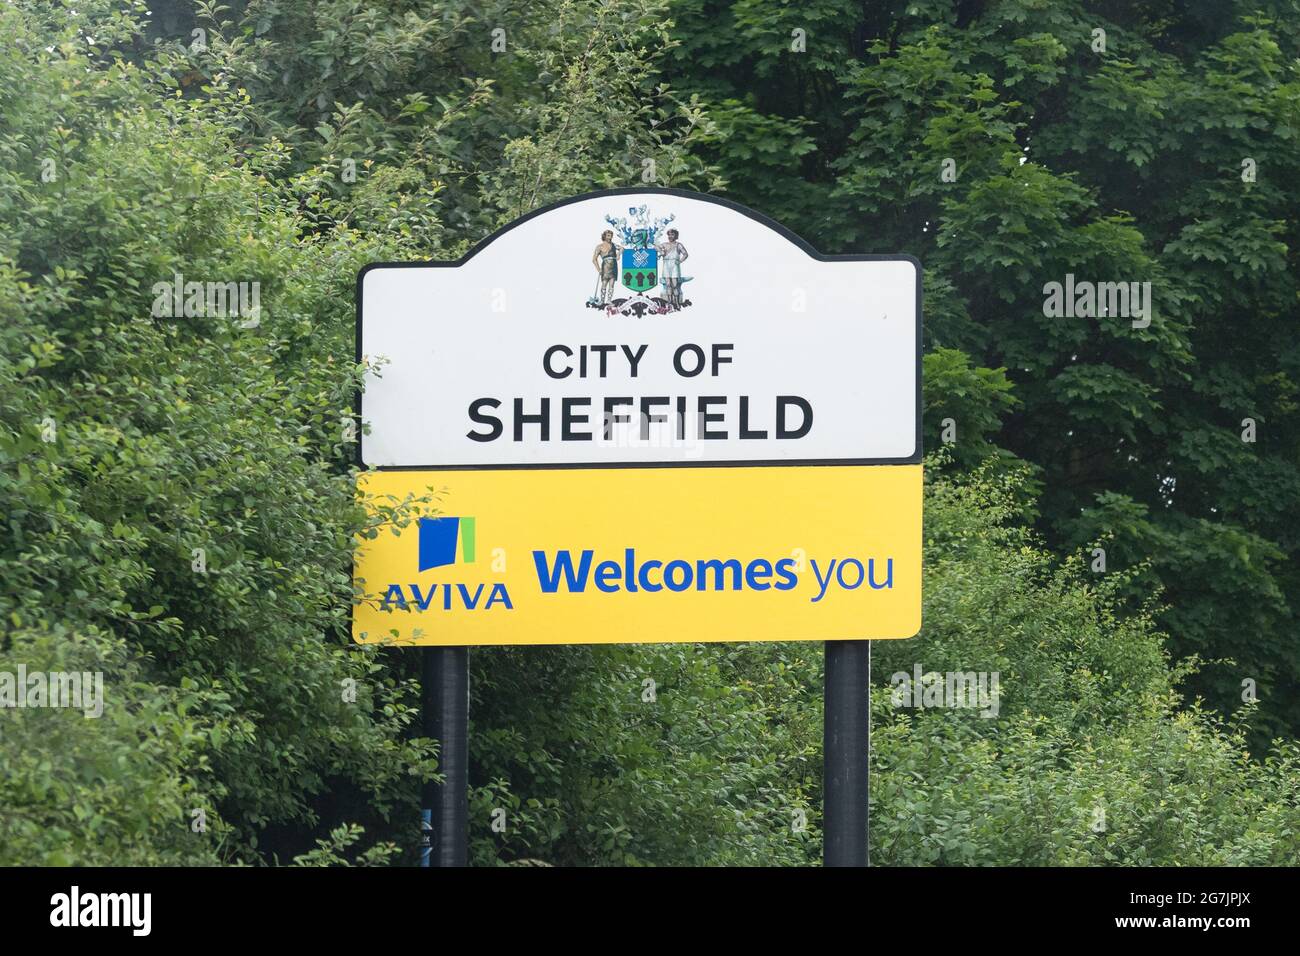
640,270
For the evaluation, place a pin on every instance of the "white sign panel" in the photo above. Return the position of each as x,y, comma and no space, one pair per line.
641,327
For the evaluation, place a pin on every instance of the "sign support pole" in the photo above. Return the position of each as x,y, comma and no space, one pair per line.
444,692
846,742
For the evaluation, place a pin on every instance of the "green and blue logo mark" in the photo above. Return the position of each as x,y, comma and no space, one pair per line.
440,538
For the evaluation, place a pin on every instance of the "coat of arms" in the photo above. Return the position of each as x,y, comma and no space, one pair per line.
641,254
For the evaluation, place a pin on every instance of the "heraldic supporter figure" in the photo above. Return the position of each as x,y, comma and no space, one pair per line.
605,259
671,256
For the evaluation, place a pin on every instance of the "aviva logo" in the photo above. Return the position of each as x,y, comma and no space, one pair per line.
439,538
440,541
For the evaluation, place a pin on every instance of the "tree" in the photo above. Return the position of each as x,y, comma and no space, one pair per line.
177,477
1010,145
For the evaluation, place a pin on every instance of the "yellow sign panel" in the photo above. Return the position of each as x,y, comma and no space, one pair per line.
622,555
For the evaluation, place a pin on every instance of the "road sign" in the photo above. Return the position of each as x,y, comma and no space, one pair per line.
646,415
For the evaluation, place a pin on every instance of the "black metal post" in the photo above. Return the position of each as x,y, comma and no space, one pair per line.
444,678
846,741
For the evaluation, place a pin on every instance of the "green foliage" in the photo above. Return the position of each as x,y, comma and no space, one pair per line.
1128,164
301,140
332,851
1089,760
112,790
130,443
975,399
133,438
708,764
463,135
